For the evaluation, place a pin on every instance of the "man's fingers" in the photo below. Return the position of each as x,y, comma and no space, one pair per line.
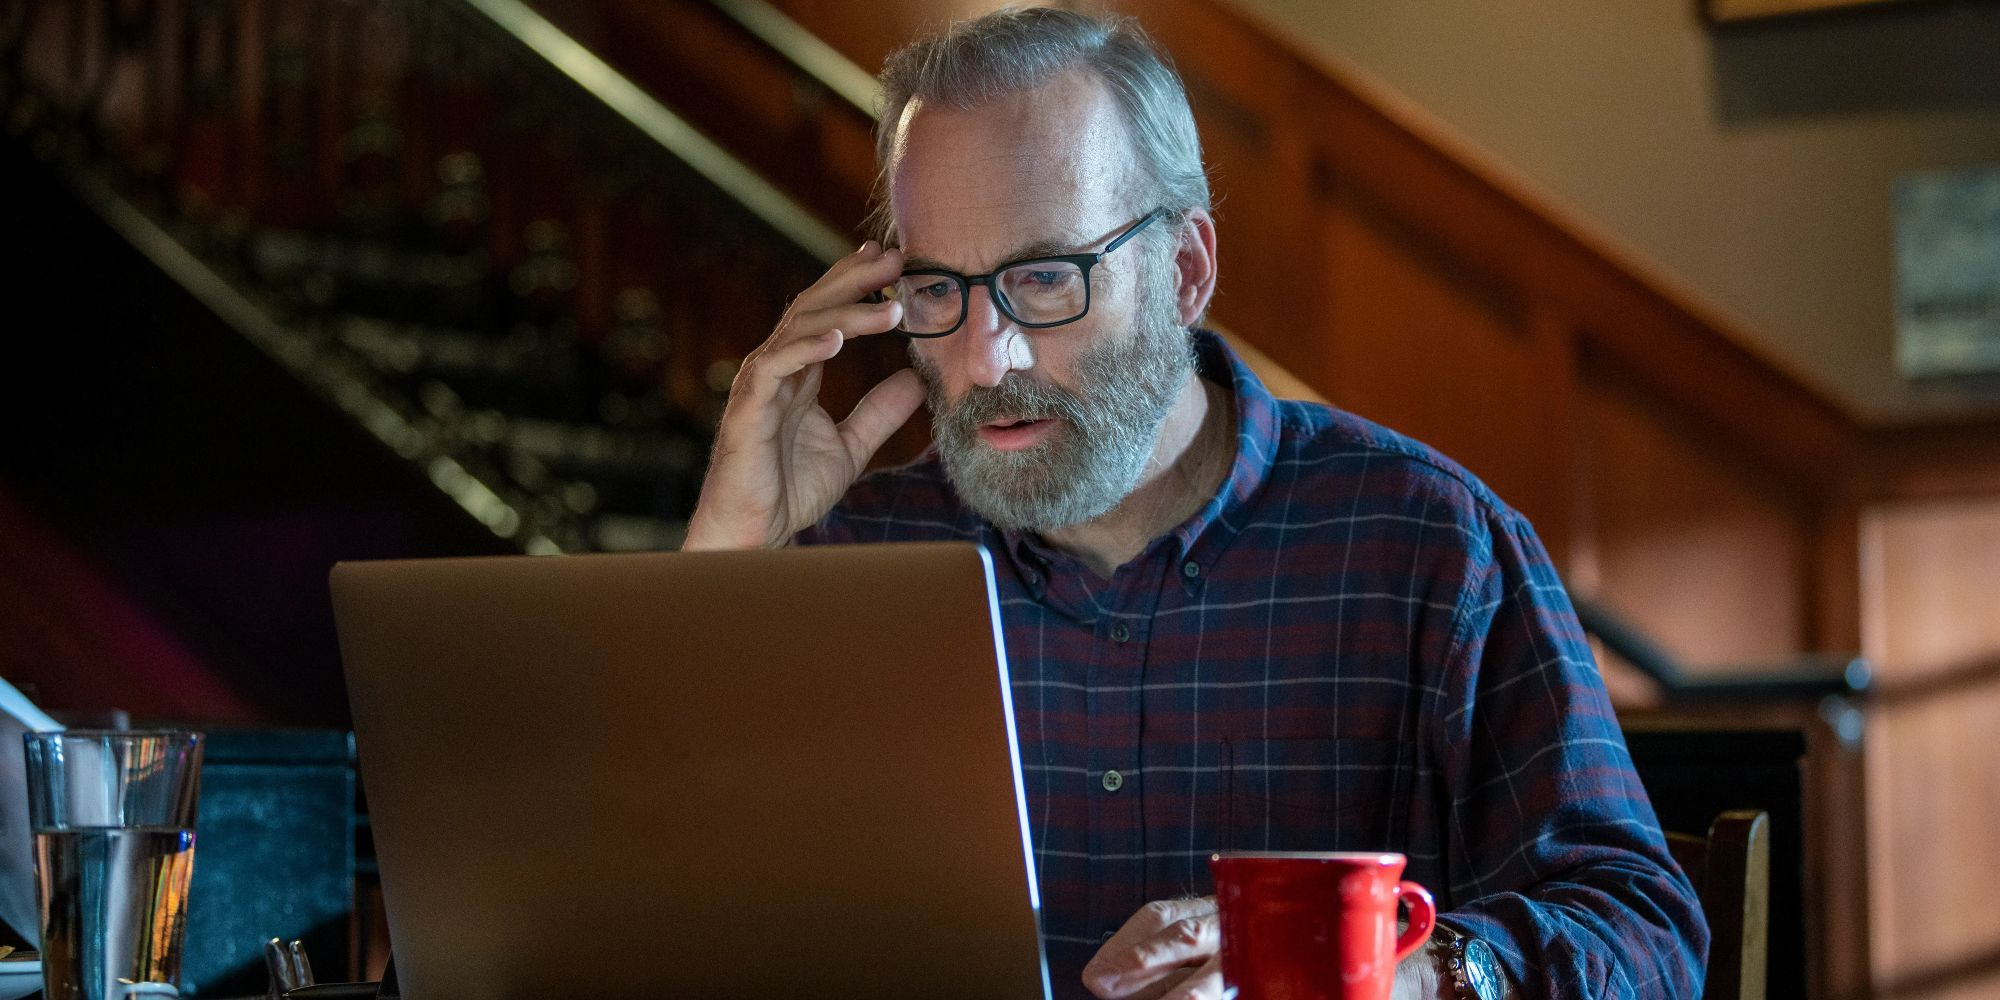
1204,984
856,319
816,336
822,319
1183,942
1163,937
885,408
773,418
774,363
869,269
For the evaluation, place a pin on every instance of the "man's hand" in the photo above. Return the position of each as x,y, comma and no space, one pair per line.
780,461
1169,950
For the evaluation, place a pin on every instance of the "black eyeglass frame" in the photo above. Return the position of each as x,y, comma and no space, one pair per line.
1084,262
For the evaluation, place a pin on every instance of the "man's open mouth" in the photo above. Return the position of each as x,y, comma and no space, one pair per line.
1014,434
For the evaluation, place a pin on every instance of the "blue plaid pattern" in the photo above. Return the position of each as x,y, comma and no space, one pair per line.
1354,646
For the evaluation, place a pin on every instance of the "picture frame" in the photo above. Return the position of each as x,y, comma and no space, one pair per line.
1732,11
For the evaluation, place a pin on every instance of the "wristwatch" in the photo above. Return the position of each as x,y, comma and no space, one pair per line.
1469,965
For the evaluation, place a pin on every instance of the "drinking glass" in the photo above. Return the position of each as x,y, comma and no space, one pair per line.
113,819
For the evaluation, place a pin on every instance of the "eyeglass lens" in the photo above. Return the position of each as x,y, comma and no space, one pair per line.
1040,293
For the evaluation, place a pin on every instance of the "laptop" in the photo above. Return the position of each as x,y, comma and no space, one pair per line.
747,774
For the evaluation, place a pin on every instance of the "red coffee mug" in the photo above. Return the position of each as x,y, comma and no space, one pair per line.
1315,926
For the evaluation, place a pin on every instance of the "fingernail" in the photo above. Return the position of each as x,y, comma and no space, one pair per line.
867,246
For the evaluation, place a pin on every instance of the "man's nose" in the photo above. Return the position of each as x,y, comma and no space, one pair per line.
991,344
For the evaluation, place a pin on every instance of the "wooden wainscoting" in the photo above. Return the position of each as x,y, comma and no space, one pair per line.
1932,627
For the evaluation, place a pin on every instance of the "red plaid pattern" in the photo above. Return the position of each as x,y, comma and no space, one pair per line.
1354,646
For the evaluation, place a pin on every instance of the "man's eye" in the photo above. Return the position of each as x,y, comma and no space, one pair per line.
935,289
1042,280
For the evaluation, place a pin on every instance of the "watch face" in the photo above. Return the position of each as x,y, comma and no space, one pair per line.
1482,970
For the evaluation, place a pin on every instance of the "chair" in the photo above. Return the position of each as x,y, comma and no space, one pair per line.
1731,870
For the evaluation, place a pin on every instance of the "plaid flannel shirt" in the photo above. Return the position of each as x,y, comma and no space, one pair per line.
1353,646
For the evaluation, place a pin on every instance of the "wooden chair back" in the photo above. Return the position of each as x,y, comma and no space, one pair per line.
1731,869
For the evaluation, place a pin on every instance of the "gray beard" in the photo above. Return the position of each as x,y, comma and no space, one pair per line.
1107,428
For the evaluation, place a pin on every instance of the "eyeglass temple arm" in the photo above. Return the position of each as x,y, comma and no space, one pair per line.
1151,217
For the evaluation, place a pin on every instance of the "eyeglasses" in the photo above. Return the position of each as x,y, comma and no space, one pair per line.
1036,293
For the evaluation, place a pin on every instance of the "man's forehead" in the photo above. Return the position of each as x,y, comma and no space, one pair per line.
1034,171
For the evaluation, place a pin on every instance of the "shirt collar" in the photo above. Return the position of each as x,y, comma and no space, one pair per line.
1257,429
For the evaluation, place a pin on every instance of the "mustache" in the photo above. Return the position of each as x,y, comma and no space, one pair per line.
1017,397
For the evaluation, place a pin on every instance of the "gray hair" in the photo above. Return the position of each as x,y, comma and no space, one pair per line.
1021,48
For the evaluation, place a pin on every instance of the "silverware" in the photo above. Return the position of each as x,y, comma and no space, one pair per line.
288,967
301,968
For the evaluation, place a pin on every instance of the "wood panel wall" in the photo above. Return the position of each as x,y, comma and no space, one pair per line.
1724,504
1931,625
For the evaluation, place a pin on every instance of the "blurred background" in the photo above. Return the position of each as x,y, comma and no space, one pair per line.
1711,291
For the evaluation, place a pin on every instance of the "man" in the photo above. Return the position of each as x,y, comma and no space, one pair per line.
1233,622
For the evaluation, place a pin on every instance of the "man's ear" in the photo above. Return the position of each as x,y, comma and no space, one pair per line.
1194,267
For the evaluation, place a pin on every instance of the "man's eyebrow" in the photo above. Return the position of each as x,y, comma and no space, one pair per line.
1038,248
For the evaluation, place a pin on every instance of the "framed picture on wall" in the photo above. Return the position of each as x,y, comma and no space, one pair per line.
1723,11
1948,272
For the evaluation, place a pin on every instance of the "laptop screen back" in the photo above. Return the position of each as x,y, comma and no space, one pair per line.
754,774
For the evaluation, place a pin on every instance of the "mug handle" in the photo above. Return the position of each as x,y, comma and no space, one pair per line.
1423,916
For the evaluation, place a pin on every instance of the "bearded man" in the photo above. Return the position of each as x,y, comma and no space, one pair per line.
1232,622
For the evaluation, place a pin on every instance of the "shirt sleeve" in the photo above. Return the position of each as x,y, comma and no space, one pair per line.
1556,858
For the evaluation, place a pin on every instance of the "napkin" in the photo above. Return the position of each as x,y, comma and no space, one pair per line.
18,908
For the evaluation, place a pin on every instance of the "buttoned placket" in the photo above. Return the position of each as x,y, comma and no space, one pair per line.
1116,778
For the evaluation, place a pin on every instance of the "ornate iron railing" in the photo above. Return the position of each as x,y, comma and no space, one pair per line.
504,259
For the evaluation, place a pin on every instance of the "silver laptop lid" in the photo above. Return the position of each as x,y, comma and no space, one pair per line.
752,774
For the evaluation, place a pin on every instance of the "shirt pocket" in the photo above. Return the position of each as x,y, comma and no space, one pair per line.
1313,795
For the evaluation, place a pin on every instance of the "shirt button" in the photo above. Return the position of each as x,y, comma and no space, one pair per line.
1029,576
1190,569
1105,938
1113,781
1119,633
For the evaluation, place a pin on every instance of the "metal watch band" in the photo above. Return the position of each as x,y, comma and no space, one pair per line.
1470,966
